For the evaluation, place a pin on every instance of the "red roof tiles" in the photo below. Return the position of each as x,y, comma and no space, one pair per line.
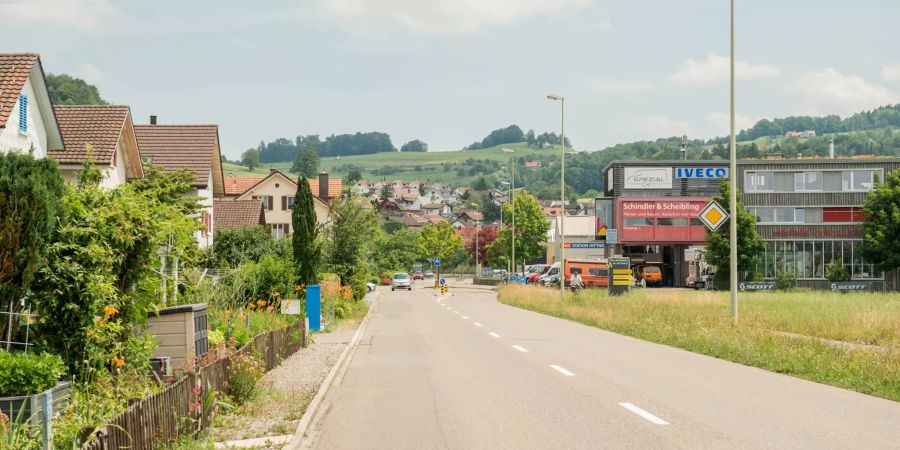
176,147
235,185
14,71
97,125
237,213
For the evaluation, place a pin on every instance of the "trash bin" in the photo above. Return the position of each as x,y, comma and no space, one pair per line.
314,307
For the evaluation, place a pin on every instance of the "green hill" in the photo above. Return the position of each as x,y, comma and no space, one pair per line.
431,166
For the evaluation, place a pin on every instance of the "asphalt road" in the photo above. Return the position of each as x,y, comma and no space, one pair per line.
465,372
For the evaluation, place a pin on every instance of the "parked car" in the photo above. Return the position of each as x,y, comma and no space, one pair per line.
401,280
553,271
651,275
535,272
418,276
371,286
429,274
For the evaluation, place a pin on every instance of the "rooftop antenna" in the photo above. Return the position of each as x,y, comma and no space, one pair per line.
683,147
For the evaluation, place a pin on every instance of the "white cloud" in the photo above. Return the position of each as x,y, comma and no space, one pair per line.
91,73
437,17
828,91
75,13
891,73
716,69
653,127
720,123
620,87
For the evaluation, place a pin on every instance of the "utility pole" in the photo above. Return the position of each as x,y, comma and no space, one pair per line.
733,197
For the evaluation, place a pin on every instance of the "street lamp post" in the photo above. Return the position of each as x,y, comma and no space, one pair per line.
512,203
562,192
733,197
477,229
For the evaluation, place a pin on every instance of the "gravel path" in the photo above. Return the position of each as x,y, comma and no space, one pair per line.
285,393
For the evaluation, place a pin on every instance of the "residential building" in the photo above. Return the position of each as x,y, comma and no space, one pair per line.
276,193
238,213
801,134
27,120
194,148
107,130
580,242
235,185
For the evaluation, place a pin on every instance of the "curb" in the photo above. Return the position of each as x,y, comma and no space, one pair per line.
316,403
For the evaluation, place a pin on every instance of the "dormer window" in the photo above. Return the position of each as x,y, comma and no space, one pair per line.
23,113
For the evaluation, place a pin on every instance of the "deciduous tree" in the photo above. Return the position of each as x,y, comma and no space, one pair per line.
881,230
440,240
750,244
250,158
306,163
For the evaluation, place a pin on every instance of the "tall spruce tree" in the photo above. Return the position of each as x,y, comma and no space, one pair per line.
307,252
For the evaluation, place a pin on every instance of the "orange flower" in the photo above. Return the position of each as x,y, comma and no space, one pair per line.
251,306
109,311
261,303
119,362
270,308
276,294
298,288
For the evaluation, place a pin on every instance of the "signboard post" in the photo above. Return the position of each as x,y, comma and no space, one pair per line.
612,236
619,275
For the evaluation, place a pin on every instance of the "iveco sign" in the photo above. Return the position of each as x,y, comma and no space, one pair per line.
701,172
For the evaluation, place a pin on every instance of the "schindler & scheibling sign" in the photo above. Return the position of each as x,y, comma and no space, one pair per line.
849,286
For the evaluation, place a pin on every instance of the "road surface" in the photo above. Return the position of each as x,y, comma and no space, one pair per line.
463,371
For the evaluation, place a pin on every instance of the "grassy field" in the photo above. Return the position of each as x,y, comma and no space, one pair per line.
846,340
426,165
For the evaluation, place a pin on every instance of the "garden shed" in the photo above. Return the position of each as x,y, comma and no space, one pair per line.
180,333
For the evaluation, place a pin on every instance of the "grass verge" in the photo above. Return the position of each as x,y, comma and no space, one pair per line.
700,322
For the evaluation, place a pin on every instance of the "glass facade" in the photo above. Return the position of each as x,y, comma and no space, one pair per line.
808,258
815,214
810,181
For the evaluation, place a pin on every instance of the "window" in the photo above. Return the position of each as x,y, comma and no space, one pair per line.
812,215
784,215
638,222
287,202
808,181
598,272
760,181
280,229
832,181
764,215
23,113
848,214
809,258
856,180
266,201
695,222
671,222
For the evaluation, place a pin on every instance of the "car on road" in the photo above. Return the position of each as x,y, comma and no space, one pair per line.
401,280
429,274
535,271
552,272
418,276
371,286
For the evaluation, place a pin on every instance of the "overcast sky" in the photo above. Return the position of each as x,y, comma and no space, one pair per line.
450,71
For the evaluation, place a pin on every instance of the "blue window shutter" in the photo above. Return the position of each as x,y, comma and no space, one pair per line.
23,113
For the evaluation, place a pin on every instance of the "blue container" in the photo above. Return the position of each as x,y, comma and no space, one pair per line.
314,307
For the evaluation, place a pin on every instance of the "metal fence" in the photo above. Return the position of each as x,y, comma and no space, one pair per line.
178,410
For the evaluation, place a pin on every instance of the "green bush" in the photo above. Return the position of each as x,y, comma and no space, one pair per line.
835,272
29,373
785,280
243,373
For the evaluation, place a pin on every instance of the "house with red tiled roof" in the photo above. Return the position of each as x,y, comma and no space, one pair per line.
276,193
238,213
103,134
27,120
235,185
194,148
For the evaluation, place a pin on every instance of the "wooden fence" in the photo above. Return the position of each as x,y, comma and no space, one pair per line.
180,409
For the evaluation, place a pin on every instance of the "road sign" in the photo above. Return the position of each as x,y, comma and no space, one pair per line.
619,275
612,236
512,278
443,282
713,216
437,262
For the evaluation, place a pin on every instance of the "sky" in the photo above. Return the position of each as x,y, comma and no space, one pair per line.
450,71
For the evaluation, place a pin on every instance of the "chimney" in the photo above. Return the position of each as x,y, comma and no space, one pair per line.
152,120
323,186
272,169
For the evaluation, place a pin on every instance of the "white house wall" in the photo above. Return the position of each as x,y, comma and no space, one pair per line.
206,202
36,137
115,175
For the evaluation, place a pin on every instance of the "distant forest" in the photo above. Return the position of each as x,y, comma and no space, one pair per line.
513,134
283,149
884,116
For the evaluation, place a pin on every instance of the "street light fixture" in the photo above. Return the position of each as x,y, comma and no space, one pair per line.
512,204
562,191
733,197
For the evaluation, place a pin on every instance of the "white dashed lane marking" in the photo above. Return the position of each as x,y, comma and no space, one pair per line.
562,370
494,334
643,414
520,348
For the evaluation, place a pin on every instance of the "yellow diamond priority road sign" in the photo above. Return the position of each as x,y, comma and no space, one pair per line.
713,216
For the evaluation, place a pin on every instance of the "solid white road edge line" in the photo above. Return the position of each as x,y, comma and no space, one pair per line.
520,348
494,334
477,324
643,413
313,409
562,370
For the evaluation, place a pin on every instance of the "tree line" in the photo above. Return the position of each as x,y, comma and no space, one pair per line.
513,134
284,149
